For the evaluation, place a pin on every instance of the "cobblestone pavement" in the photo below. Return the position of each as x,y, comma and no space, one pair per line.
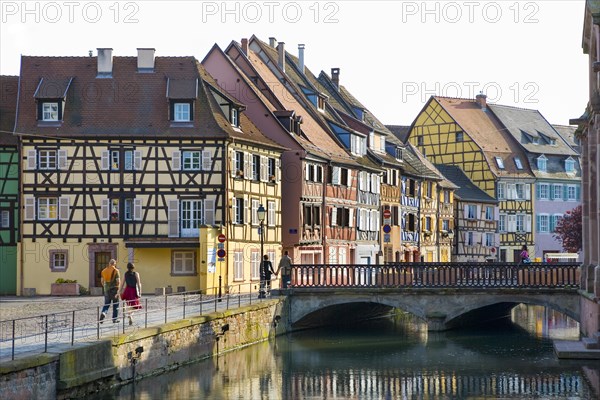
20,307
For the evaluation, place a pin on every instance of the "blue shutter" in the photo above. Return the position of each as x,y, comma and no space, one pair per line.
565,193
552,221
577,192
538,222
551,191
537,191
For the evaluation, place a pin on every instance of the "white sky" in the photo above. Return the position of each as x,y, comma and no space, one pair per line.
392,54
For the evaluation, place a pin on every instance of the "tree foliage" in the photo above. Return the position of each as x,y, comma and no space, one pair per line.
569,230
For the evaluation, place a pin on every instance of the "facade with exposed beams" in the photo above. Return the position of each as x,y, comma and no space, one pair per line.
132,158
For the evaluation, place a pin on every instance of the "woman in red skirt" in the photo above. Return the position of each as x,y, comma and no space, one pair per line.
131,291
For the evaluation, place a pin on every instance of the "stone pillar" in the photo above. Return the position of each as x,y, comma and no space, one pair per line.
597,283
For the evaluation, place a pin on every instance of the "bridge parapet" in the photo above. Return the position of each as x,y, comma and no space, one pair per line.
438,275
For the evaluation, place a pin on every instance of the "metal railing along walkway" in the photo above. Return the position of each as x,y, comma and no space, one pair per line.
42,333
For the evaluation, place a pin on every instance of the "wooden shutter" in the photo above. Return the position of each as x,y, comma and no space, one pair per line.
105,160
209,211
278,169
176,160
234,219
206,160
31,159
264,169
104,210
512,223
351,218
173,218
361,181
307,172
248,166
137,160
232,160
62,159
64,208
333,221
538,222
137,209
245,212
349,178
335,175
528,223
29,208
527,191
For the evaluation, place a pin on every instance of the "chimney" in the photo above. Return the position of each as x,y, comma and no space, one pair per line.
145,59
335,77
481,99
245,46
301,57
272,42
105,63
281,53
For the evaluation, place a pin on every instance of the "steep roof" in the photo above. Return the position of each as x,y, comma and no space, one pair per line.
525,124
567,132
400,131
8,104
488,133
467,190
129,103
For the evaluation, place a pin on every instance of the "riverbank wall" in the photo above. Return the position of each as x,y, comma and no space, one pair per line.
75,371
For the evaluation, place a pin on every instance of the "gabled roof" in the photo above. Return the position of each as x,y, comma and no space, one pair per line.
467,190
9,86
567,132
416,164
400,131
129,103
488,133
432,170
524,124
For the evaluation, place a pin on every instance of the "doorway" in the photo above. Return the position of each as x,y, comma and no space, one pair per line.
101,260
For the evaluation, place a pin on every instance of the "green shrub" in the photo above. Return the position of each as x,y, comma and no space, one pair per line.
61,280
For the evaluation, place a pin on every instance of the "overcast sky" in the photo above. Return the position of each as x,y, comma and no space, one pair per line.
392,54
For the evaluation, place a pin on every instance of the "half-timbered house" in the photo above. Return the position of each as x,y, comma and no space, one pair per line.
463,132
132,158
9,186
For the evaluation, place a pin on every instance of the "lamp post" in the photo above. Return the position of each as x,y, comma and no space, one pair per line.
261,213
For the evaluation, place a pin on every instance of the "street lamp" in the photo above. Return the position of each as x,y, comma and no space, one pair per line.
261,213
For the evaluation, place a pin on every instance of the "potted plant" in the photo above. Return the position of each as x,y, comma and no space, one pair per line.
64,287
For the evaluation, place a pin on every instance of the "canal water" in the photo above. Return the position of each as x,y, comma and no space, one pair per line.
389,358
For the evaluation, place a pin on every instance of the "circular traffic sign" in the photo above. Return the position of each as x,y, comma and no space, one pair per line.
387,213
221,238
387,228
221,253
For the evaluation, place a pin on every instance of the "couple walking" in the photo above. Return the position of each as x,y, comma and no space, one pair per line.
266,270
130,290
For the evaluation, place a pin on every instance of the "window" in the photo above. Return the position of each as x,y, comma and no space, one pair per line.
47,159
239,163
114,160
256,167
254,219
234,117
272,169
459,136
543,191
518,163
471,211
428,224
489,213
129,160
558,192
181,112
446,197
50,111
489,239
420,140
569,165
571,193
445,225
255,264
358,145
499,162
183,262
520,191
382,144
59,260
238,210
128,210
501,191
543,223
541,163
470,239
271,213
554,221
114,209
5,219
192,160
238,265
520,223
48,208
429,190
340,216
502,223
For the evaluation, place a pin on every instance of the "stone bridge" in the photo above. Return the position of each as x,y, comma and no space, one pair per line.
444,296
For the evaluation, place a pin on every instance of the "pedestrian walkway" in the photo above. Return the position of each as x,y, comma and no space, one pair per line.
30,326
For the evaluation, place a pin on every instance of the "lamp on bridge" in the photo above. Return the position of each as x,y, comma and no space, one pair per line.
261,214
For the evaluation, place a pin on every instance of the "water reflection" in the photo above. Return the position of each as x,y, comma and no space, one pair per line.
386,359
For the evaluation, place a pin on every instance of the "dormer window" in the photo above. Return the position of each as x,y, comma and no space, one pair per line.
398,153
541,163
382,144
499,162
569,165
50,111
182,112
459,136
320,103
552,142
518,163
234,119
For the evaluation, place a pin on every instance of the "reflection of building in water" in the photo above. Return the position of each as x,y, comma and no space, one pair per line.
360,384
544,322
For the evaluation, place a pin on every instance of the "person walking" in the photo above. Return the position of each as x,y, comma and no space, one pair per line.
266,270
285,266
111,281
524,255
131,291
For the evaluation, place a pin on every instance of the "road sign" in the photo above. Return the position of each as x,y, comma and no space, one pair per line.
386,237
387,213
221,238
387,229
221,253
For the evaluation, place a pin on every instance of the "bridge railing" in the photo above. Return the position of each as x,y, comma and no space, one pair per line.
438,275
